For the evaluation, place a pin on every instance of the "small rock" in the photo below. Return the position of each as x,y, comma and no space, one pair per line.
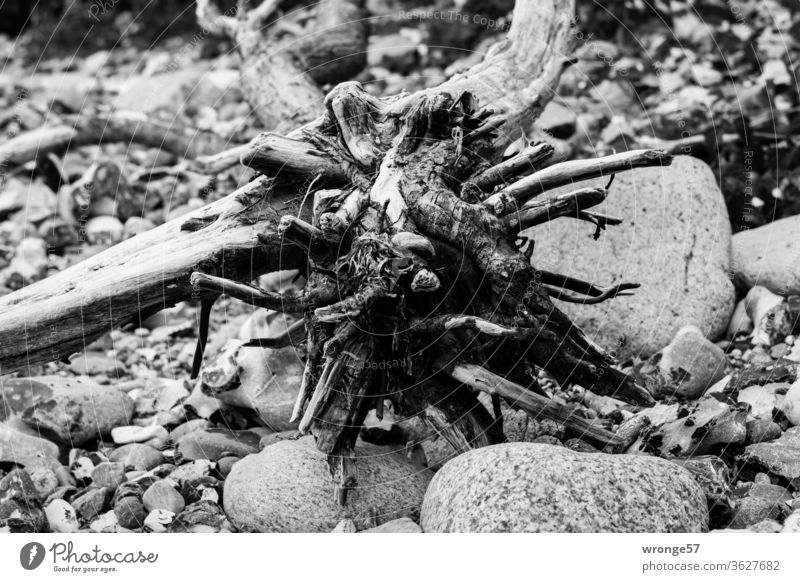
740,321
96,363
762,430
110,475
265,380
189,426
225,464
104,230
696,428
163,495
790,407
130,512
44,480
766,256
17,484
780,457
137,434
686,368
61,516
136,225
480,491
558,120
201,489
199,517
91,502
779,351
345,526
191,471
78,410
713,475
767,311
158,520
19,446
287,487
760,501
20,517
106,523
140,457
763,400
215,443
28,265
792,523
402,525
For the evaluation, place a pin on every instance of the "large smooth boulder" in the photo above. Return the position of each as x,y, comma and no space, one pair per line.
528,487
287,487
767,256
78,410
675,241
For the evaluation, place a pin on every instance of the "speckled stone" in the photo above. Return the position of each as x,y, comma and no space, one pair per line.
780,457
675,240
287,487
78,410
527,487
761,501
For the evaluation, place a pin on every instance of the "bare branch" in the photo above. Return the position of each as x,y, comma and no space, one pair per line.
512,197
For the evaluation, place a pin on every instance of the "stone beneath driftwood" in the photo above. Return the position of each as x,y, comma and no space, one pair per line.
78,410
685,368
526,487
675,240
287,487
767,256
780,457
265,380
402,525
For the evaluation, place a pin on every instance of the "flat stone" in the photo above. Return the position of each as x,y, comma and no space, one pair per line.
139,456
94,363
780,457
675,240
287,487
123,435
18,445
402,525
215,443
91,502
527,487
199,517
108,474
767,256
130,512
78,410
686,368
163,495
758,502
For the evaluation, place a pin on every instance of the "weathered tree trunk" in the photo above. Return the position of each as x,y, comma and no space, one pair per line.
417,291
